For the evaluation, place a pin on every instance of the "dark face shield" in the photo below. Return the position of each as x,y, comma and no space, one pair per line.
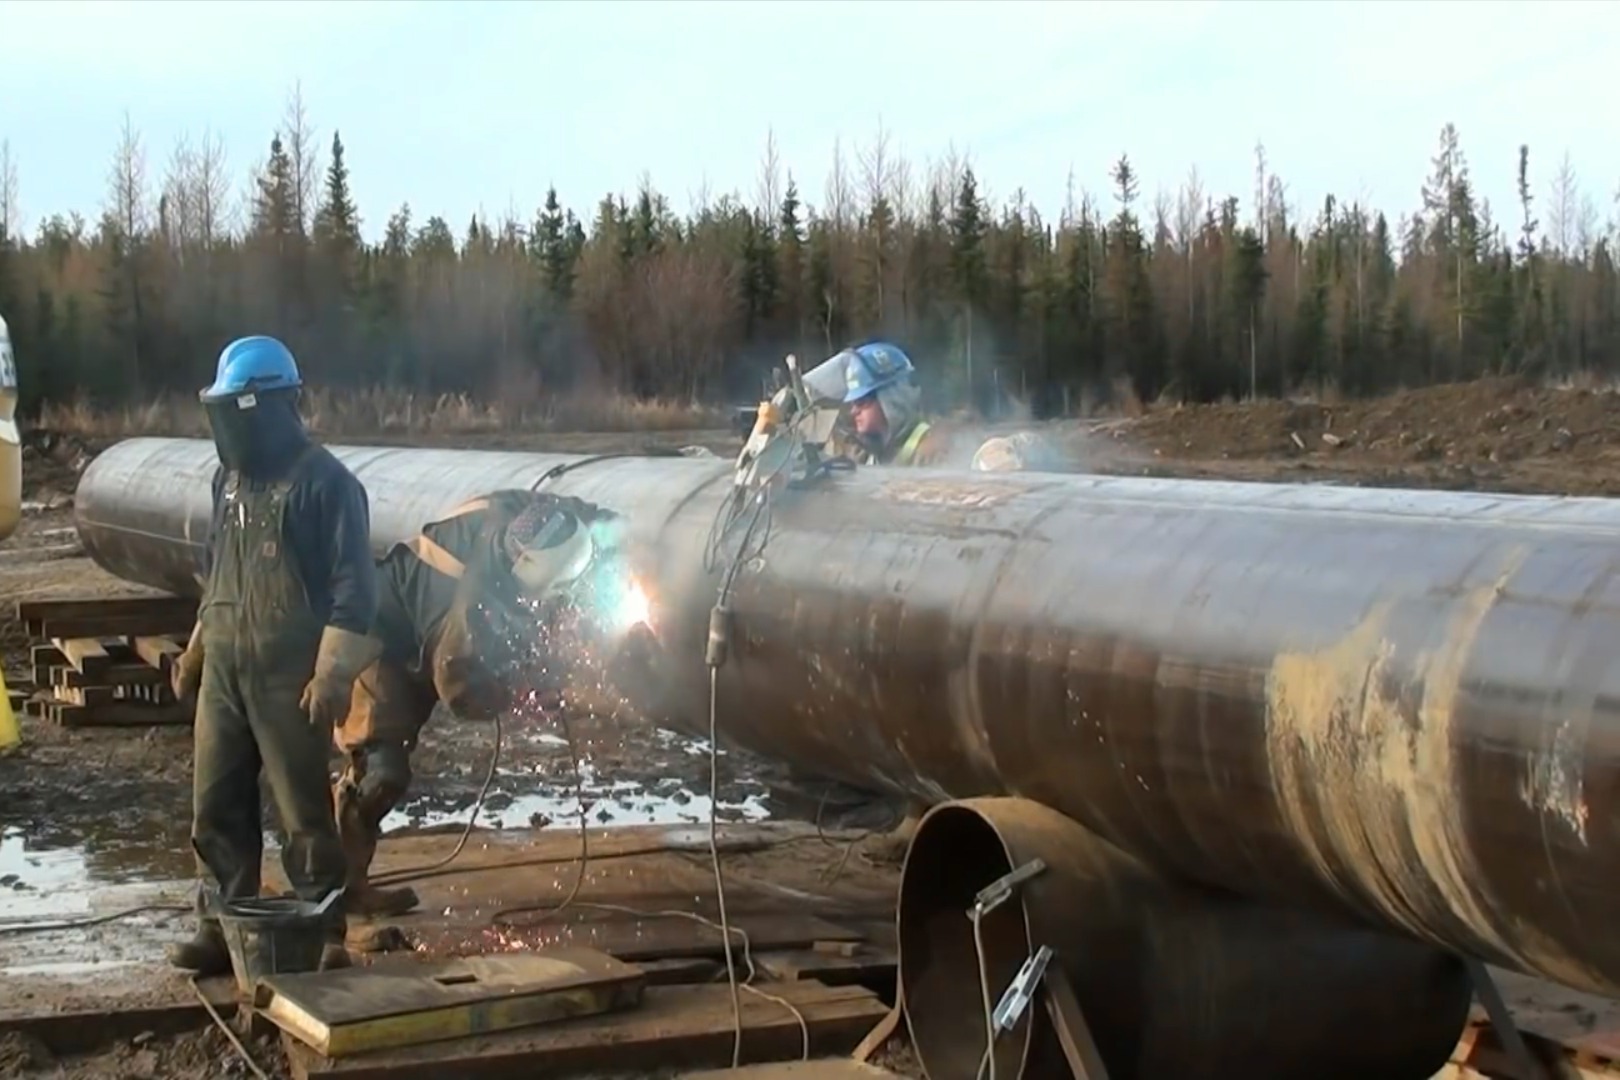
256,434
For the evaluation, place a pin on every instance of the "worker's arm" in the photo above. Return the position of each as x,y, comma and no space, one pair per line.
216,520
345,516
463,682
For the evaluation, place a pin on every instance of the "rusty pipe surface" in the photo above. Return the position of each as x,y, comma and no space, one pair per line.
1173,979
1394,704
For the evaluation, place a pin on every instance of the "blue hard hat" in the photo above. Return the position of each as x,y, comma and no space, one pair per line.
253,364
873,366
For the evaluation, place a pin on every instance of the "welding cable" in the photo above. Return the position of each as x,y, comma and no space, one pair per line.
989,1058
503,917
225,1028
414,873
94,920
714,858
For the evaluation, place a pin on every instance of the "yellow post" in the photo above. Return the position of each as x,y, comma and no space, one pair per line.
9,734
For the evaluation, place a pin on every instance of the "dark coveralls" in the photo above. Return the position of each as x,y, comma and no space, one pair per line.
442,599
287,558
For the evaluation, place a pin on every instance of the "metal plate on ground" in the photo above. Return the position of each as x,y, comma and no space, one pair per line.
403,1002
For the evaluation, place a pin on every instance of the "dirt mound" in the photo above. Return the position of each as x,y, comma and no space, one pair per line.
1492,420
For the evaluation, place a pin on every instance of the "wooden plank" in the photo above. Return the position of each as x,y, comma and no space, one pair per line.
156,652
86,655
105,626
87,1031
158,608
641,939
682,971
88,696
1074,1034
866,965
820,1069
676,1027
45,653
127,674
119,714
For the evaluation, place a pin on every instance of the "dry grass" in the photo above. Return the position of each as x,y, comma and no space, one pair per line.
392,412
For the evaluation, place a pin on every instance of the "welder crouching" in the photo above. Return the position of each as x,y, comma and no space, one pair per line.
481,611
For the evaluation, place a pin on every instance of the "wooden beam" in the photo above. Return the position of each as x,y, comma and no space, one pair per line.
676,1027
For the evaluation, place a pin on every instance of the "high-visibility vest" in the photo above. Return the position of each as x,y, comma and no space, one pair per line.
908,449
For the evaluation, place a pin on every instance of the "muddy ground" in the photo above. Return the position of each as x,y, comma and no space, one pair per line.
82,810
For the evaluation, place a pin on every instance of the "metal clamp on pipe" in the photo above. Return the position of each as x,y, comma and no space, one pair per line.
1021,991
1001,890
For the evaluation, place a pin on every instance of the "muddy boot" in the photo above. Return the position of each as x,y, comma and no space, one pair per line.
205,954
359,847
889,849
364,899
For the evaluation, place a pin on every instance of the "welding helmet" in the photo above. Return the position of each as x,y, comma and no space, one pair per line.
550,549
873,366
252,404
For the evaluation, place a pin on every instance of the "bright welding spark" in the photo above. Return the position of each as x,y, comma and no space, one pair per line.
635,608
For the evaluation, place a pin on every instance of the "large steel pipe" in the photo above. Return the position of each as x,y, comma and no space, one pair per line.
1173,979
1400,705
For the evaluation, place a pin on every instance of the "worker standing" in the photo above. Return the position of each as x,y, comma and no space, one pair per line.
282,632
474,611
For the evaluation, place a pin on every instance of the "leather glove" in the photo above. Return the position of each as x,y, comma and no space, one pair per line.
342,657
186,675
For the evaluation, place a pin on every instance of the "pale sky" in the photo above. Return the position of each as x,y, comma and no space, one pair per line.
466,106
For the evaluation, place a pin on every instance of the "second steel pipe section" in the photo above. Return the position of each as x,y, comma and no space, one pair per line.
1396,705
1173,979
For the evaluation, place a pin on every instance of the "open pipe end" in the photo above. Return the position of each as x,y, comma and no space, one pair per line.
955,852
1173,979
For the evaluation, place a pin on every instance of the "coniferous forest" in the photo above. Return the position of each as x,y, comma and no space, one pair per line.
1188,295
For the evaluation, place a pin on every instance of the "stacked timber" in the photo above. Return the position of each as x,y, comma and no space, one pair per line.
106,662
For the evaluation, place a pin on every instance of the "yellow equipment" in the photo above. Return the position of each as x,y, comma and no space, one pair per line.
9,734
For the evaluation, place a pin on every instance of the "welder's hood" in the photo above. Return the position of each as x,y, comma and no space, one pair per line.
550,550
257,433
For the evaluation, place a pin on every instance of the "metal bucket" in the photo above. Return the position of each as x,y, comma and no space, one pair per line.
272,936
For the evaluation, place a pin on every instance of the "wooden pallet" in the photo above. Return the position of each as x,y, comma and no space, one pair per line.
1480,1055
106,662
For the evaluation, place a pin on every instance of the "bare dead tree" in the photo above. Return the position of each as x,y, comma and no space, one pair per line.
128,211
10,193
1586,227
210,190
303,154
1563,208
178,211
840,201
127,190
770,180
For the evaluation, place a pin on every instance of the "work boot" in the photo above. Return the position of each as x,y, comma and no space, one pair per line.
205,954
359,840
366,900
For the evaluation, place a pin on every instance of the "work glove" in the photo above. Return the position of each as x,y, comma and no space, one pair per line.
342,657
186,674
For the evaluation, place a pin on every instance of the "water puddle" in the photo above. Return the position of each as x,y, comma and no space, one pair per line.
92,859
541,794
